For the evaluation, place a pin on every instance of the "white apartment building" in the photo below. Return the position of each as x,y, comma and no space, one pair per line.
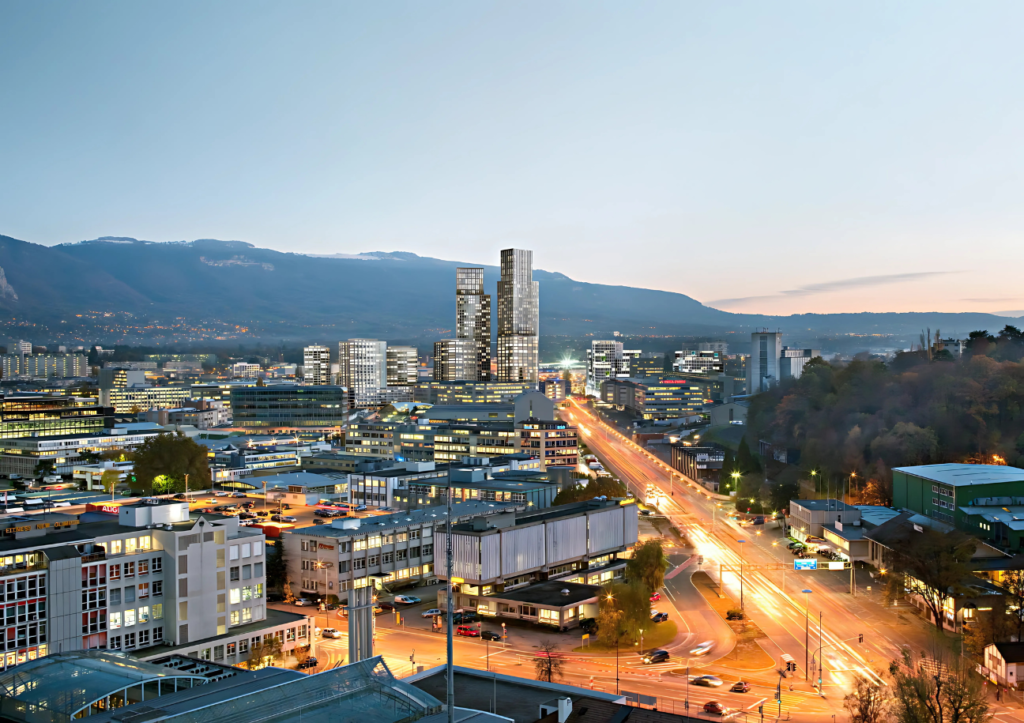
606,359
362,365
316,365
698,361
245,370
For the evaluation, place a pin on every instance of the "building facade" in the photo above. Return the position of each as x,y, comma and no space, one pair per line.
289,406
363,365
698,362
554,443
793,361
455,360
401,366
763,366
473,319
518,318
462,392
316,366
606,359
655,399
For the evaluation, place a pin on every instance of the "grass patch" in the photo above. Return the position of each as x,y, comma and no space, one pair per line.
660,635
747,655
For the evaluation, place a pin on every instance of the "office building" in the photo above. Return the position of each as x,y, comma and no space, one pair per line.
701,464
763,366
362,365
152,577
964,495
554,443
518,318
289,406
793,361
371,439
31,415
461,392
719,346
129,392
579,542
473,320
455,360
245,370
24,348
698,362
606,359
316,366
48,366
645,367
20,455
376,399
557,390
401,366
662,398
453,442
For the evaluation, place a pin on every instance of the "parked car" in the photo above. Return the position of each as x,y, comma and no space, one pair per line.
221,493
248,505
467,631
238,494
655,656
262,513
431,612
361,508
740,687
490,635
303,602
407,599
180,496
704,648
331,633
713,706
707,681
246,516
467,616
659,617
655,597
283,518
319,522
385,606
309,662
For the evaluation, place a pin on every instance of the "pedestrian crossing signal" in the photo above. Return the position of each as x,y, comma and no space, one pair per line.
860,638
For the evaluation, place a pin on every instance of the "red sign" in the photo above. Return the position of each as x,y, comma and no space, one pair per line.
322,546
109,508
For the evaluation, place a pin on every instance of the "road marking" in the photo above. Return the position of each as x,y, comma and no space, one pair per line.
750,707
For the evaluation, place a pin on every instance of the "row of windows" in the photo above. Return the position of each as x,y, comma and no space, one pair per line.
136,640
139,567
249,592
131,592
141,616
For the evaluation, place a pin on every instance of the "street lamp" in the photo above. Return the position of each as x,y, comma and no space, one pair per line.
807,635
618,632
741,572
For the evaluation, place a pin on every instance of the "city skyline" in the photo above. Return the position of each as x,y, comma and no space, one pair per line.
812,142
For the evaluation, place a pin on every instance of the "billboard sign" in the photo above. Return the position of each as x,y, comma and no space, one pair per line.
805,565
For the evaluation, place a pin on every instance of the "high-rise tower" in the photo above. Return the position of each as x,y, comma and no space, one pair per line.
518,318
363,365
316,365
473,319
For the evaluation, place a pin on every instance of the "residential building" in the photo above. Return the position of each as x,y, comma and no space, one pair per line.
698,362
579,542
363,365
967,496
153,575
557,390
463,392
1005,662
245,370
793,361
351,553
289,406
473,321
763,366
402,364
606,359
455,360
555,443
518,318
701,464
316,366
662,398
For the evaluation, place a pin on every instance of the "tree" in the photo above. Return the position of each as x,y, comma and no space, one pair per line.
602,486
868,703
934,566
548,666
110,480
941,691
745,460
301,653
170,457
44,467
648,565
624,609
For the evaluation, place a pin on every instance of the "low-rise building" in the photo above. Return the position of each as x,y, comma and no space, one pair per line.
21,455
285,407
452,442
701,464
371,439
303,488
447,393
557,603
943,491
555,443
808,518
1005,662
660,398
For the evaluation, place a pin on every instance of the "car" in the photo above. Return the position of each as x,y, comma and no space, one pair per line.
238,494
248,505
205,511
283,518
361,508
432,612
221,493
225,508
246,516
180,496
467,631
262,513
490,635
407,599
645,513
704,648
740,687
319,522
331,633
385,606
659,617
467,616
707,681
713,706
655,597
304,602
309,662
655,656
794,545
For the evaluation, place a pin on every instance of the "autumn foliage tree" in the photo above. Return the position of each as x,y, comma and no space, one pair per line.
162,462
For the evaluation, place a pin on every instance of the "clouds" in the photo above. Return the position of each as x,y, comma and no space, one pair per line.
857,282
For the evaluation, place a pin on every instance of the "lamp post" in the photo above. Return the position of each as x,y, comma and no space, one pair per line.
618,632
807,635
741,572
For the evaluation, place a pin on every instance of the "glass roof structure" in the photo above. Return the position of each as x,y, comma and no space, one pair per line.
77,684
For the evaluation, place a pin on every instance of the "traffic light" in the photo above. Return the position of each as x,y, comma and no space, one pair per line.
860,638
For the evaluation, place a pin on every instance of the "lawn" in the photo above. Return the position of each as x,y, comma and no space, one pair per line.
747,655
660,635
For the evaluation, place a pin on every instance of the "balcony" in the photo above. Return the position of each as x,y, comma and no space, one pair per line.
20,568
94,557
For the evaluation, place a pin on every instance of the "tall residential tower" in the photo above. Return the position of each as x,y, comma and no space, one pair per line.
362,366
316,366
518,318
473,319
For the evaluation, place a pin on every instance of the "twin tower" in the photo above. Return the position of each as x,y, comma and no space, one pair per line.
468,356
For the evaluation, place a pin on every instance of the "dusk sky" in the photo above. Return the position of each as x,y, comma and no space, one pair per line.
762,157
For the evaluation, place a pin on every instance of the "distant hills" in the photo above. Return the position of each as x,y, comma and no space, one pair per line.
393,295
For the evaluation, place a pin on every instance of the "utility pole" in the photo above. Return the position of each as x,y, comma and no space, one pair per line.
448,554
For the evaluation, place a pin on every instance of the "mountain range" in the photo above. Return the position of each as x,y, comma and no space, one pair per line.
386,294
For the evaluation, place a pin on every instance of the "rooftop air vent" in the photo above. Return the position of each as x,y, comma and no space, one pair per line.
565,591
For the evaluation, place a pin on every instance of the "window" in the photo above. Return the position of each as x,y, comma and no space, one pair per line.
257,570
234,573
935,488
233,552
373,541
400,555
359,564
158,634
243,646
115,572
129,618
143,614
257,549
414,552
231,648
114,621
246,615
235,617
246,572
387,558
143,590
115,643
115,547
236,596
158,611
257,590
130,545
373,560
129,569
935,500
129,641
143,637
428,549
158,588
115,596
246,593
158,564
145,543
129,594
143,567
246,550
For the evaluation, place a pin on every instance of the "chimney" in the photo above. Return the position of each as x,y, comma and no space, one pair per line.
564,709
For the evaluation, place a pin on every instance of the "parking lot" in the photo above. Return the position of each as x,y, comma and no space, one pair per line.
304,516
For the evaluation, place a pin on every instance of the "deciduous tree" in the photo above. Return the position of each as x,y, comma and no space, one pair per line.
945,690
648,565
868,702
171,457
934,566
548,665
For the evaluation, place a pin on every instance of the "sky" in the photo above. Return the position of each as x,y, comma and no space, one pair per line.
760,157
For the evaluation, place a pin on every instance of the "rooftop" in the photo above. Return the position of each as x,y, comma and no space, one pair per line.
960,475
823,505
398,520
551,513
550,594
849,532
1011,652
873,515
301,479
274,618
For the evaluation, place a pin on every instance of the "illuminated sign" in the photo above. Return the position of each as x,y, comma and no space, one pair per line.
837,565
805,565
322,546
